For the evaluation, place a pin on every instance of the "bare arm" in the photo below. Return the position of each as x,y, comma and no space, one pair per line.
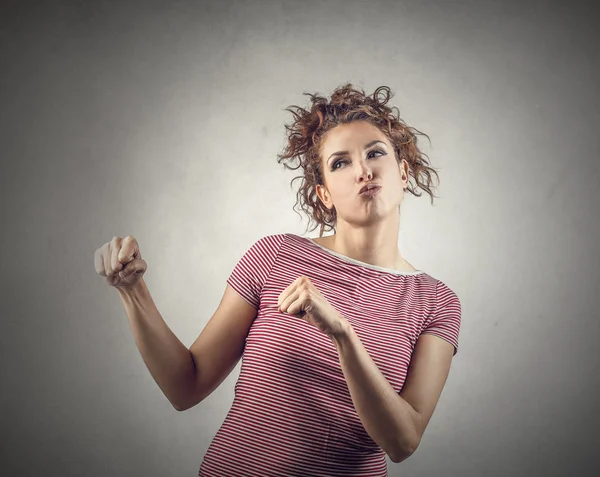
170,363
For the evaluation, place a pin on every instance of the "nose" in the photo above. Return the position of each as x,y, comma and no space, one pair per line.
364,171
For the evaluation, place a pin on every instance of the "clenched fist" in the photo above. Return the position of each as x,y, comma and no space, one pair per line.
120,261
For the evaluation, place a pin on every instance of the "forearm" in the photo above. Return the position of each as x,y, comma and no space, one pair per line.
387,418
170,363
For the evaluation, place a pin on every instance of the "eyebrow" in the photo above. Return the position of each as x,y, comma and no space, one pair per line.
341,153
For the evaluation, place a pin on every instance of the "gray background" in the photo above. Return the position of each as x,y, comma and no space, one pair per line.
162,120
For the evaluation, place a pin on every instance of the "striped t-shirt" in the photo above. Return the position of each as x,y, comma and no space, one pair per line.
292,414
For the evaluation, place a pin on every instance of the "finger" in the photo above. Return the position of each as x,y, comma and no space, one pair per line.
106,254
135,266
282,296
289,299
129,250
295,307
99,262
298,307
289,291
115,247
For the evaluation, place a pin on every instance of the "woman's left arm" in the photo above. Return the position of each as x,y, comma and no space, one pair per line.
395,421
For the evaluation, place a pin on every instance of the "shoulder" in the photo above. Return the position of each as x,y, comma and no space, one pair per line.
268,246
444,293
271,240
265,248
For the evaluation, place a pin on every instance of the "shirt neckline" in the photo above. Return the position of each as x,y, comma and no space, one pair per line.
358,262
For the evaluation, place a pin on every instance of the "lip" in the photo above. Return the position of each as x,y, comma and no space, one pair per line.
370,187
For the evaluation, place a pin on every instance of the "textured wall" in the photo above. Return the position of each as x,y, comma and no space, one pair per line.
162,120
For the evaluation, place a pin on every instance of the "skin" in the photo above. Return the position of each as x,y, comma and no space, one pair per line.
367,227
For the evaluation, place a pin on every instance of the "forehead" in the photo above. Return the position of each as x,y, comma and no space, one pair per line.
347,134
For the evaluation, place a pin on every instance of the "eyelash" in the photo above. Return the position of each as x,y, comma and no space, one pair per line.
333,168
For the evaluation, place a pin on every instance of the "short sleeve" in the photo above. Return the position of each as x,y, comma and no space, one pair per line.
445,321
252,270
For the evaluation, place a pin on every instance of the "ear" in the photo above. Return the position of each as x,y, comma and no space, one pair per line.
324,196
403,167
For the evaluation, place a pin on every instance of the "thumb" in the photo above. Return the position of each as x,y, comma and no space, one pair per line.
134,266
124,257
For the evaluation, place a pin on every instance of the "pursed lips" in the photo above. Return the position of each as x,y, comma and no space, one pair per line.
373,187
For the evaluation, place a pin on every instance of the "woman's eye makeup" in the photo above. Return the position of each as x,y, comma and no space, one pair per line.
341,161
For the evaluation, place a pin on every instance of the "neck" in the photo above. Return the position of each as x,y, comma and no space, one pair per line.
376,244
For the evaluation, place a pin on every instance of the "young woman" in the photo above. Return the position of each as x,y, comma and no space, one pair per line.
345,346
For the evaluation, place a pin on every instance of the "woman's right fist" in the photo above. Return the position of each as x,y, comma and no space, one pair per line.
120,261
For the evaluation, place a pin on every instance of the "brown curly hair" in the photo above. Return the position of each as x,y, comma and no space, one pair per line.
305,138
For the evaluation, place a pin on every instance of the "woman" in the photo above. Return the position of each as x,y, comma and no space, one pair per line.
346,346
351,345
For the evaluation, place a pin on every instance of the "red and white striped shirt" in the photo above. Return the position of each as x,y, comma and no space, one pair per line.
292,414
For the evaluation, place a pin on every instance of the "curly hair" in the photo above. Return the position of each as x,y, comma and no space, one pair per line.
306,135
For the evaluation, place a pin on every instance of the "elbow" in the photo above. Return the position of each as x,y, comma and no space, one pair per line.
401,456
407,448
179,407
185,402
403,453
182,408
185,407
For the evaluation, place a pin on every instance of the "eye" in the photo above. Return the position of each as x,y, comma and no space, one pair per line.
339,161
343,161
378,150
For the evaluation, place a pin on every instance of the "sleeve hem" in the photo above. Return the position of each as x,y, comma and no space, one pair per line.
435,333
234,286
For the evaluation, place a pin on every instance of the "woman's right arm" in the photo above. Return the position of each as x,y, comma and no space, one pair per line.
170,363
185,376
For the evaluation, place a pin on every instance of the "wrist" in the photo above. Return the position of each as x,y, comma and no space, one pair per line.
344,331
134,292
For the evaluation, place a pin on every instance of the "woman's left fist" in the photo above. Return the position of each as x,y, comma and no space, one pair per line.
304,300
